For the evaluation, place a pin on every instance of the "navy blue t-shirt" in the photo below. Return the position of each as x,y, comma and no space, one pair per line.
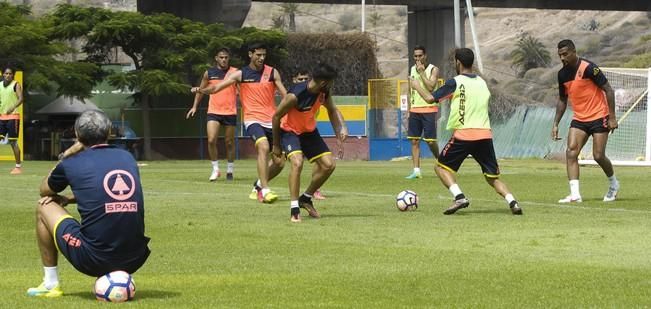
305,98
106,184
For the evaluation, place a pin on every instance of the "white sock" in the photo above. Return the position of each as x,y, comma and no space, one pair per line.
417,170
265,191
509,198
613,181
293,204
257,183
229,167
51,278
308,195
574,188
215,165
18,165
455,190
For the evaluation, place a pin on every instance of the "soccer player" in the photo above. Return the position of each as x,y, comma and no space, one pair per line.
422,115
302,75
258,84
295,121
593,102
105,184
222,110
11,97
469,98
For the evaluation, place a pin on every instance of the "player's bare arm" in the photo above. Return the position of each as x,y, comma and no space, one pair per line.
198,96
430,83
336,119
279,84
19,95
560,110
610,98
229,80
288,102
428,97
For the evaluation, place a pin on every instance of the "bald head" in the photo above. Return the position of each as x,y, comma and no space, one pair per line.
92,128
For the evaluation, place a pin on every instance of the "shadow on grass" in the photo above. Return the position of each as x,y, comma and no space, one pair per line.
146,294
346,216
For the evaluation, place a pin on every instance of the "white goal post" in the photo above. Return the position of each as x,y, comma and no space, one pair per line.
630,144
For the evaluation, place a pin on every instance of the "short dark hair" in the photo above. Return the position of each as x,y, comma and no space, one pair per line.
92,127
257,45
566,43
301,71
223,50
465,56
420,47
7,67
324,71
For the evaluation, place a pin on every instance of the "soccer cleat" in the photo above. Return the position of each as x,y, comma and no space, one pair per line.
295,215
229,176
306,203
16,171
515,208
458,204
318,195
570,199
268,198
4,139
611,195
214,175
41,291
414,175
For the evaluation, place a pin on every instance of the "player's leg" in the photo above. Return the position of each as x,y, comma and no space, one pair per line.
414,132
295,157
48,217
599,141
316,151
576,139
212,131
229,141
429,133
13,130
484,153
449,161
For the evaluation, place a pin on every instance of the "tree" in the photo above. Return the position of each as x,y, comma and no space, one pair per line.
374,18
529,53
27,44
290,10
168,52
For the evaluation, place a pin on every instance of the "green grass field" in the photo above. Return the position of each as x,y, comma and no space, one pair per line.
212,247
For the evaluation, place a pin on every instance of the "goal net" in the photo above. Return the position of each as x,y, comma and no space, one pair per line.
630,144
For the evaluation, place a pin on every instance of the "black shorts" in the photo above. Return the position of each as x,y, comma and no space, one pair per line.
311,144
67,237
456,151
422,124
227,120
591,127
10,127
259,133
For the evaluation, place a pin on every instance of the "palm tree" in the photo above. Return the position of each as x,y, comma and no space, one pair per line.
529,53
290,9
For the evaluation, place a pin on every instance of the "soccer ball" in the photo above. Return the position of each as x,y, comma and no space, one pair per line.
407,200
117,286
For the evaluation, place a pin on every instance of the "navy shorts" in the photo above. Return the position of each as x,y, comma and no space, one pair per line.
257,132
591,127
67,236
456,151
10,127
422,124
227,120
311,144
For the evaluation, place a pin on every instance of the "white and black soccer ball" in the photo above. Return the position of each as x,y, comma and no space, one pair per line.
407,200
117,286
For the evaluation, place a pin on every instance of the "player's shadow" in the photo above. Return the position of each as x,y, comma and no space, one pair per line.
140,294
483,211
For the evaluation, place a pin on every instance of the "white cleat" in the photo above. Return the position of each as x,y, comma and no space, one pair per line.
215,174
570,199
611,195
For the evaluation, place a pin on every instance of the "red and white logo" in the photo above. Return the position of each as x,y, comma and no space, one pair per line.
119,184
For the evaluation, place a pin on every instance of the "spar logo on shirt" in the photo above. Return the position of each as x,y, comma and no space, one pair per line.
120,185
